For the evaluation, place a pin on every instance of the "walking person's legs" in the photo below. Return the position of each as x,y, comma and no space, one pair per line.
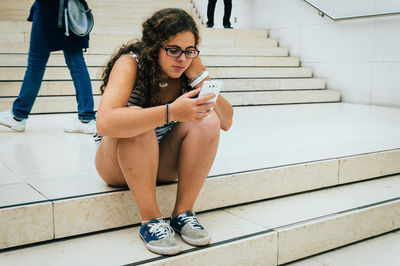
84,95
210,13
37,60
227,13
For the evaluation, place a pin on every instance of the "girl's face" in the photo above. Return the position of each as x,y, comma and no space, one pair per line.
171,66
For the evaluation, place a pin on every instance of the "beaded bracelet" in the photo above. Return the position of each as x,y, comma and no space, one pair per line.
198,79
167,114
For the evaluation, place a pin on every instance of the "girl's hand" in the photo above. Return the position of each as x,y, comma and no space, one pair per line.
187,108
194,69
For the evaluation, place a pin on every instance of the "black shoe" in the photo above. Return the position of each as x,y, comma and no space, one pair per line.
210,26
228,27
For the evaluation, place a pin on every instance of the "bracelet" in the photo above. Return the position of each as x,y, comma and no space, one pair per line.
198,79
167,114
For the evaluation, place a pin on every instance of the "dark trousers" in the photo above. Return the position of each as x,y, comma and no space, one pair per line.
227,12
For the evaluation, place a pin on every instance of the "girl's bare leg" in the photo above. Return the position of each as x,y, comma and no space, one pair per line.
133,162
188,152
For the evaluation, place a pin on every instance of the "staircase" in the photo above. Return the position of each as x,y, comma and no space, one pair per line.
255,70
289,181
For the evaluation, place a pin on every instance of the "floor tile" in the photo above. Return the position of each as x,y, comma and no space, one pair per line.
19,193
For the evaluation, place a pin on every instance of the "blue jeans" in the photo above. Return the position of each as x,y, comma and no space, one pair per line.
37,61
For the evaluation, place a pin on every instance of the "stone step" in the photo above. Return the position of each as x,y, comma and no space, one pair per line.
269,232
282,97
62,73
100,17
378,250
141,4
143,12
128,29
106,44
122,34
57,59
48,88
93,4
110,37
301,156
97,47
60,88
66,104
50,104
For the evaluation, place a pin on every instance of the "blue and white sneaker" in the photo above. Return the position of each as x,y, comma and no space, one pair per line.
159,237
190,229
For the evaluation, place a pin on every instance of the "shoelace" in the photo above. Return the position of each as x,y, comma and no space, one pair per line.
191,221
161,229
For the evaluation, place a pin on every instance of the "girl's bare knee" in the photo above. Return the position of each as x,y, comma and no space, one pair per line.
144,139
206,130
209,127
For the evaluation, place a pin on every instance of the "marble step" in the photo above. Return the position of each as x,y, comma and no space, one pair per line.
282,97
94,4
268,232
108,36
143,12
129,25
19,32
378,250
97,46
287,149
67,104
62,73
100,12
14,20
57,59
307,147
11,89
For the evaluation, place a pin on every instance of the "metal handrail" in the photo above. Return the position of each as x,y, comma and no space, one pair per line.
322,13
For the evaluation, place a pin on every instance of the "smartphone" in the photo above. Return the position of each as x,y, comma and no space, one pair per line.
211,87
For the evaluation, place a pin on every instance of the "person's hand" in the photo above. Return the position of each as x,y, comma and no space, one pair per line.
186,108
194,69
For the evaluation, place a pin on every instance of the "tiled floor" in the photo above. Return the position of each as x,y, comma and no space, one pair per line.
46,163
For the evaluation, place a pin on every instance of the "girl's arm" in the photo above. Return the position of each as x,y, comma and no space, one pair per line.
114,119
222,106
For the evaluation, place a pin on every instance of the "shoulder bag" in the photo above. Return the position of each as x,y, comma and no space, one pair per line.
78,17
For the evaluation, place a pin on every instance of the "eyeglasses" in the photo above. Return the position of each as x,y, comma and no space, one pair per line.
177,52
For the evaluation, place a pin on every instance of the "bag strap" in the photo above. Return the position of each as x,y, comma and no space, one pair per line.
60,13
66,22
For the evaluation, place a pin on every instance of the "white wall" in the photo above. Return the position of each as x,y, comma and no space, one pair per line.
361,57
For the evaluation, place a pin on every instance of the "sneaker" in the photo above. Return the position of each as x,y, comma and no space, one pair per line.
7,119
77,126
159,237
192,232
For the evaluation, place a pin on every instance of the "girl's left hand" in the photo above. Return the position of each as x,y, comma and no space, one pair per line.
194,69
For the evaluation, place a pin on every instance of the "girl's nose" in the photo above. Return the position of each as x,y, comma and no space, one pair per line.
182,57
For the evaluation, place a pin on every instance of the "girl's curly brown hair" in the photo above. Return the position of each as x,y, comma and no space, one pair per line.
159,28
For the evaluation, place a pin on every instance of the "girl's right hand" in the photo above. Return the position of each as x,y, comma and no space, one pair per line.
187,108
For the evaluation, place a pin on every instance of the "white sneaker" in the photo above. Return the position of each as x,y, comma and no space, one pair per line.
76,126
7,119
